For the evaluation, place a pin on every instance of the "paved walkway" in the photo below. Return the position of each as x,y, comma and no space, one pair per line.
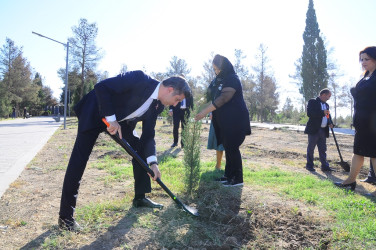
345,131
20,140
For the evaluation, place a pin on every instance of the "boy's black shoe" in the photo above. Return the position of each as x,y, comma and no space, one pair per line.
145,202
69,225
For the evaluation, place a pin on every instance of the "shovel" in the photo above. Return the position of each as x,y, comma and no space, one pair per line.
130,150
342,163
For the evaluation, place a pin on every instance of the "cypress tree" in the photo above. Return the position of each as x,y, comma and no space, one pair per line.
192,150
314,67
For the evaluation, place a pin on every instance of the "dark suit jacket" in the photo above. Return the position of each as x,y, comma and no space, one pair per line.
315,114
176,110
122,95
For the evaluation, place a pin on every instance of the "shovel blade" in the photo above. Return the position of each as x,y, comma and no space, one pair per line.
190,210
345,166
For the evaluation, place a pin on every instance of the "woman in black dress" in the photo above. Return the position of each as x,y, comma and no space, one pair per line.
230,117
364,120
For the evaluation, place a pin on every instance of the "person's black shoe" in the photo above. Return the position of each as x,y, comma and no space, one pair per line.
311,169
369,180
145,202
174,145
352,185
233,183
222,179
326,169
69,225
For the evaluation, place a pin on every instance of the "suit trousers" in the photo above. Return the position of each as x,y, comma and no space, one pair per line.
80,155
177,119
318,139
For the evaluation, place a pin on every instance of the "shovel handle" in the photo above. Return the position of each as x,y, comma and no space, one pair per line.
143,164
105,122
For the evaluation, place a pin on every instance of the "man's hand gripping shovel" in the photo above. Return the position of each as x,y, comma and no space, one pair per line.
129,149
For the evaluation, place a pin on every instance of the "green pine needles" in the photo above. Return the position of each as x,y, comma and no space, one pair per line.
191,139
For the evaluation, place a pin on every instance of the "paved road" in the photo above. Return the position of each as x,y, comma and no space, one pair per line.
345,131
20,141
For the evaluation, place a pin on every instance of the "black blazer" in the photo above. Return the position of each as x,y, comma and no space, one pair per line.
122,95
188,103
315,114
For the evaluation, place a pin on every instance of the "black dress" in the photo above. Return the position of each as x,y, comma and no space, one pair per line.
364,119
231,123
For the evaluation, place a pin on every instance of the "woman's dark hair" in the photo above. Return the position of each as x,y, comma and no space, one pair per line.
370,51
224,65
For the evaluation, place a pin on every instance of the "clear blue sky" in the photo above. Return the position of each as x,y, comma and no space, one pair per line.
145,34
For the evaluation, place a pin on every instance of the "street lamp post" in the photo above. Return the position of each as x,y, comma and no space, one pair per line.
66,76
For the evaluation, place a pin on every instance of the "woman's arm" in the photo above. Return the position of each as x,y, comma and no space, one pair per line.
226,95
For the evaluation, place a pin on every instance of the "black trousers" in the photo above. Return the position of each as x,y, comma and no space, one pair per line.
80,155
178,118
318,139
234,164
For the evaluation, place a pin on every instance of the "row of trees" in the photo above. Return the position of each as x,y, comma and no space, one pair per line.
19,86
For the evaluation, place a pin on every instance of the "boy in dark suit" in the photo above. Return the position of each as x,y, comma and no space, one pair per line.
123,100
179,113
318,129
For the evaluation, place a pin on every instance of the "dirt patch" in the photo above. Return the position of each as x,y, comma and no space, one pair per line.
230,218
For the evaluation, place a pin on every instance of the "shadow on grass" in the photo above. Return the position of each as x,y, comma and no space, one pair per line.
37,242
169,153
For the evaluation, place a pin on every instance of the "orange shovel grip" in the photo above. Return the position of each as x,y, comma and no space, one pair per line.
105,122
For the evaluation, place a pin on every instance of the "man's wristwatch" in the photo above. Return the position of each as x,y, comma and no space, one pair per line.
152,163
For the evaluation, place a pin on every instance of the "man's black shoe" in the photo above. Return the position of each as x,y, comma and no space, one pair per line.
369,180
174,145
145,202
326,169
311,169
69,225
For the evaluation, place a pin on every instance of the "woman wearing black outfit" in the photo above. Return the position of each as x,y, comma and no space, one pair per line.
230,117
364,119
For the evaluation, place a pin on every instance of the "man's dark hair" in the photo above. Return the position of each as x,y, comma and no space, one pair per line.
370,51
179,84
324,91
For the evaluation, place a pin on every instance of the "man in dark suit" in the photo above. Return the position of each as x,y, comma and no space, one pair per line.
318,129
123,100
179,113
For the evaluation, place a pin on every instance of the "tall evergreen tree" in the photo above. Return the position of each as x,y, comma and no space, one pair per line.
248,84
314,66
208,73
85,54
9,52
266,86
179,67
16,72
